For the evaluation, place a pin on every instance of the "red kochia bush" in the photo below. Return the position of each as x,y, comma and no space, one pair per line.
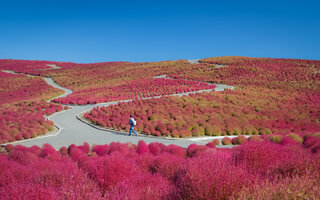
216,141
217,179
176,150
49,152
167,165
45,179
258,156
142,147
155,148
312,143
295,161
144,186
108,171
75,152
118,171
226,141
241,139
85,148
194,150
295,187
101,150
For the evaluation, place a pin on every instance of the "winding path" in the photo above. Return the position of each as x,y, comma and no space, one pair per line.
71,130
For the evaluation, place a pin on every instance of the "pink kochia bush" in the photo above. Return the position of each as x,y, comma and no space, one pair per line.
26,120
252,170
143,88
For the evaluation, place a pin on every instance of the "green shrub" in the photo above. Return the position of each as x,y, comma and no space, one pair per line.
201,131
255,132
51,128
208,130
248,131
317,135
262,132
295,137
236,131
267,131
276,138
229,131
216,130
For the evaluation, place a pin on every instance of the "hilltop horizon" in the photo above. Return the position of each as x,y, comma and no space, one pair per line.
127,61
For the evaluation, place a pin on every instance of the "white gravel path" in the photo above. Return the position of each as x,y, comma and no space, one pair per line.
73,131
194,61
54,66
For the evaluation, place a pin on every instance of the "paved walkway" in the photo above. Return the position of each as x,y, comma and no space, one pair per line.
194,61
73,131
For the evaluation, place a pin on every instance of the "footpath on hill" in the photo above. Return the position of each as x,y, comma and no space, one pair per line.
72,130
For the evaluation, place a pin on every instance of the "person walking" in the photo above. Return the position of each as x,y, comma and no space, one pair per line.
132,123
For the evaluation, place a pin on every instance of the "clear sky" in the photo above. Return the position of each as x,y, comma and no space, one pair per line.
138,31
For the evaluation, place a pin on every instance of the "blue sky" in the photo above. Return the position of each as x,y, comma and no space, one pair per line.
138,31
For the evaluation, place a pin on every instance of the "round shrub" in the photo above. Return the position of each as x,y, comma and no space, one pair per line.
85,148
255,132
75,153
216,141
195,132
51,128
185,133
255,138
229,131
295,137
217,179
234,141
208,130
142,147
144,186
18,137
248,131
267,131
312,143
305,187
216,130
167,165
258,156
101,150
317,135
211,145
109,171
26,135
175,150
261,132
9,147
241,139
155,148
201,131
63,151
236,131
175,134
226,141
276,138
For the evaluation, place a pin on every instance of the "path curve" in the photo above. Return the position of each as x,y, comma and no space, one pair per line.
74,131
193,61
